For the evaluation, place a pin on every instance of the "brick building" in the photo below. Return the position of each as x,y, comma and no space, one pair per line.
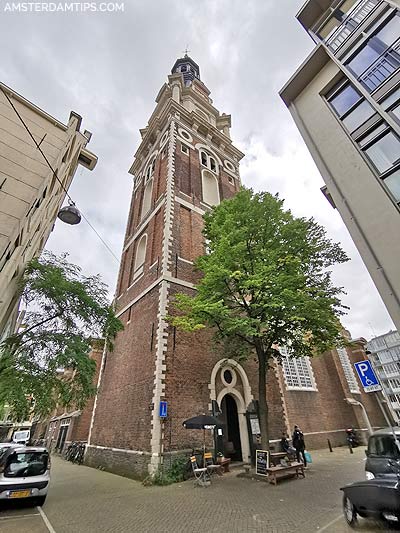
186,163
66,426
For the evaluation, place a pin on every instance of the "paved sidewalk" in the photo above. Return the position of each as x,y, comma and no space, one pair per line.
84,500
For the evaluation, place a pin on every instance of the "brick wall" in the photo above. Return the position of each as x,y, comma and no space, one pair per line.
81,427
123,412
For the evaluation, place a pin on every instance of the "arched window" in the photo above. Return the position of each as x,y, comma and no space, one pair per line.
150,169
147,195
208,161
140,256
210,188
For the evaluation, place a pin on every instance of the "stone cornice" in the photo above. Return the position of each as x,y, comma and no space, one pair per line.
168,106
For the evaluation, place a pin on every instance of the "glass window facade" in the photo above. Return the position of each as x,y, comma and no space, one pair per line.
344,99
358,116
384,152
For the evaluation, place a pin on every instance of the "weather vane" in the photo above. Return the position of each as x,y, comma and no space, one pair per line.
186,50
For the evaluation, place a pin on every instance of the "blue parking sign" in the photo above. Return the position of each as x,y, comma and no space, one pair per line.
163,409
367,376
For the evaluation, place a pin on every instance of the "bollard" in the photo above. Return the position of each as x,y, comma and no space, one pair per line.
330,446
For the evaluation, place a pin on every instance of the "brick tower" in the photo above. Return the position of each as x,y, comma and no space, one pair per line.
185,164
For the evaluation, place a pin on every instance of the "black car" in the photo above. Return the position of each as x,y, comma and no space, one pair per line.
381,450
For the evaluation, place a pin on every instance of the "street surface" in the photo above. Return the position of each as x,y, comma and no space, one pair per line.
84,500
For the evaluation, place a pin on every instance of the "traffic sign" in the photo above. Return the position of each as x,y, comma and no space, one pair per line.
163,409
367,376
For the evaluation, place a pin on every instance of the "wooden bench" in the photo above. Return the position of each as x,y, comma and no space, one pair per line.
278,472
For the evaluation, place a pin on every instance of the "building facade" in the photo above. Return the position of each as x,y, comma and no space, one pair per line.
30,195
64,426
345,101
185,164
385,357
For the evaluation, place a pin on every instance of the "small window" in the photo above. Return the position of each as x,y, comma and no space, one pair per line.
228,377
185,134
140,256
164,153
384,152
150,169
231,180
344,99
208,161
392,182
183,68
358,116
210,188
147,197
185,149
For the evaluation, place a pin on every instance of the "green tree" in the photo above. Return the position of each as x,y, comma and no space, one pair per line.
64,311
266,282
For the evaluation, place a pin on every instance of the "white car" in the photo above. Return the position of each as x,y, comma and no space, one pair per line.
24,473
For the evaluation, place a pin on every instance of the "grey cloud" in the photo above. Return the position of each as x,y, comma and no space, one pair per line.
109,68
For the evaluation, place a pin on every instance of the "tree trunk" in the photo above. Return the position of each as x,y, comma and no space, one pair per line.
262,397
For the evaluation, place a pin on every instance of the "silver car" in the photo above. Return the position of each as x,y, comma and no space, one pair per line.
24,473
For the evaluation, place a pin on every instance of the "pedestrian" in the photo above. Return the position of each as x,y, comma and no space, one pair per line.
285,444
299,444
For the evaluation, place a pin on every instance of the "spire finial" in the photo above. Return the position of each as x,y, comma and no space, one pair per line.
186,51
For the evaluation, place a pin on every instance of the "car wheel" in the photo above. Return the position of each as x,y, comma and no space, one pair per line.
349,511
40,501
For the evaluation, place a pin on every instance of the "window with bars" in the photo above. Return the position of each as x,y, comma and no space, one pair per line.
348,370
298,372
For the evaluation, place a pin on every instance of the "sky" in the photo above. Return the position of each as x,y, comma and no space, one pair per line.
109,66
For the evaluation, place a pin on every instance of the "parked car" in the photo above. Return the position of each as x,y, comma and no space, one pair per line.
377,498
382,449
24,473
22,437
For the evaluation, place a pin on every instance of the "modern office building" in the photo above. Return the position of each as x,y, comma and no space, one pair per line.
385,356
187,163
345,100
30,194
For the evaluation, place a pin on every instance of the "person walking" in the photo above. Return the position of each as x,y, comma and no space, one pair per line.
299,444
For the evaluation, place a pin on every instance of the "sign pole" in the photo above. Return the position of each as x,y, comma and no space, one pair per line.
388,422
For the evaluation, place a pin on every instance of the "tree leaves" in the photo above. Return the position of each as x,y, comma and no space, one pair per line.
267,277
65,310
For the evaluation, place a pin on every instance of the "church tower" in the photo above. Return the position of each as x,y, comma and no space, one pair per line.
185,164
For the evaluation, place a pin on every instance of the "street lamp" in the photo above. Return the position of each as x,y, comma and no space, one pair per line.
352,401
70,214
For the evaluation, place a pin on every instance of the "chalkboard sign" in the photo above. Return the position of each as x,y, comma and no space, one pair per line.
262,462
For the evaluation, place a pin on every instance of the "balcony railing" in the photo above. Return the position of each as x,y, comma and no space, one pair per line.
351,22
382,68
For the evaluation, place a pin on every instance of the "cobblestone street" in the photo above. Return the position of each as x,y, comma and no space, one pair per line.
85,500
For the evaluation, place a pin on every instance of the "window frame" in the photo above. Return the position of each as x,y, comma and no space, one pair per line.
379,46
139,268
210,161
365,129
296,376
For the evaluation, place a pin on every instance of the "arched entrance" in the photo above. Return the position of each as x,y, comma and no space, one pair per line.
232,440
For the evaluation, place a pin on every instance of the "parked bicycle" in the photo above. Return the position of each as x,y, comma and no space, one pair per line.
75,452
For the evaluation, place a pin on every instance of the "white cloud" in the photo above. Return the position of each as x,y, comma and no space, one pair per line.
109,68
